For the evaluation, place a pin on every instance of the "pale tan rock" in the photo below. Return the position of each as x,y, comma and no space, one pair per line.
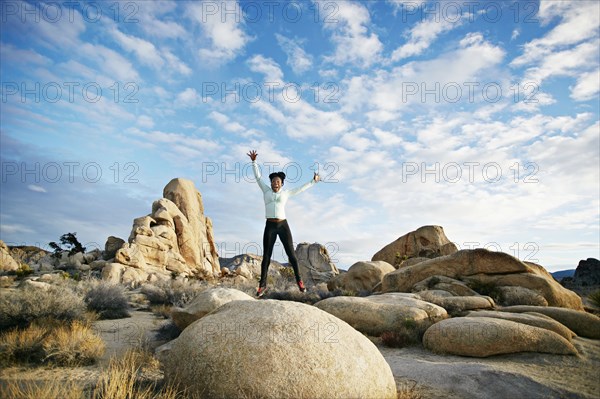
485,336
361,276
133,277
314,264
581,323
204,303
532,319
112,272
7,263
274,349
131,255
486,266
455,304
377,314
194,244
426,241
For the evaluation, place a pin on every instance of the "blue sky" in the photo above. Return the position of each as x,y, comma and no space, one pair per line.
481,117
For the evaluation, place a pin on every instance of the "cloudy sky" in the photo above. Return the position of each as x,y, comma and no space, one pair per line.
481,117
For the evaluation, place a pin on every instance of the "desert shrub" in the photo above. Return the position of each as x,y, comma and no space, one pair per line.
288,273
410,333
23,270
595,297
18,389
19,308
408,390
106,299
125,378
45,342
490,289
70,241
163,311
173,292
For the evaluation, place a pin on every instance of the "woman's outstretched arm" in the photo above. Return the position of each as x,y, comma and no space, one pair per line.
306,186
253,154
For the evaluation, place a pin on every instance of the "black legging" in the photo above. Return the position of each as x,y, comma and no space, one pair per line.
272,230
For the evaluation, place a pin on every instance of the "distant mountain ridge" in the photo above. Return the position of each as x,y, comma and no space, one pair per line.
559,275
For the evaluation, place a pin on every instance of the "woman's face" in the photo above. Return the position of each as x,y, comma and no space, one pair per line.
276,184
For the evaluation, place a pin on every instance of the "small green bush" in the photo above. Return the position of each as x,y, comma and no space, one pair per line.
107,299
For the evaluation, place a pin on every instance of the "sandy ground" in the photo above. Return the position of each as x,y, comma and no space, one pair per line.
523,375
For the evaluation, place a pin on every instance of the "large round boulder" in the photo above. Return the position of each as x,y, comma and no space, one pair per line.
377,314
532,319
204,303
486,336
275,349
361,276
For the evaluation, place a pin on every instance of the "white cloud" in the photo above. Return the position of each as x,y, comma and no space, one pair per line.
175,145
224,121
36,188
145,121
423,34
587,87
224,32
297,58
14,55
354,44
151,15
268,67
187,98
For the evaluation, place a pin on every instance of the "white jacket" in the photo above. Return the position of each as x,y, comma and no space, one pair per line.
275,201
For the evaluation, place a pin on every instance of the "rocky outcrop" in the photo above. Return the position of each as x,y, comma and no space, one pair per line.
587,273
485,336
377,314
581,323
274,349
111,247
456,304
204,303
314,263
531,319
7,263
175,238
426,241
482,267
361,276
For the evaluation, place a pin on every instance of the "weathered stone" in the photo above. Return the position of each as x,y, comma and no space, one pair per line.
204,303
516,295
532,319
485,336
112,272
377,314
484,266
131,255
454,304
453,286
361,276
7,263
112,245
426,241
314,264
242,348
581,323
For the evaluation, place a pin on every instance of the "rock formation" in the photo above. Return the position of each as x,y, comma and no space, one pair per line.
485,269
426,241
7,263
273,349
361,276
314,263
175,238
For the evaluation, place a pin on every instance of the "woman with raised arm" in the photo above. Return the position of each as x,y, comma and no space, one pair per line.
275,199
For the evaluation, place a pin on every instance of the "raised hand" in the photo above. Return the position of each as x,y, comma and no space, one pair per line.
316,177
252,154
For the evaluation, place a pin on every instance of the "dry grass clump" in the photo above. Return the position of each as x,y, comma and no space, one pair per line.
410,333
408,390
51,342
173,292
126,378
53,389
19,308
106,299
